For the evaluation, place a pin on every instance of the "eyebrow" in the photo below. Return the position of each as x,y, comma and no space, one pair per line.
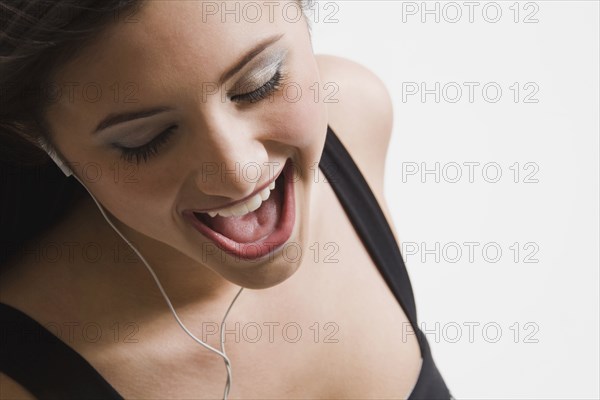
256,50
115,119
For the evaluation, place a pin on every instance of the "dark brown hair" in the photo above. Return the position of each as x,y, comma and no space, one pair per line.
36,36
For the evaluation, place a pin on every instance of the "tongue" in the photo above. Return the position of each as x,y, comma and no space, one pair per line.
252,226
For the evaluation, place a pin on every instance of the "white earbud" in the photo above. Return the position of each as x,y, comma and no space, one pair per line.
55,157
68,172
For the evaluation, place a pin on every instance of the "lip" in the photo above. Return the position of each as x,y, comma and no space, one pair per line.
233,203
268,244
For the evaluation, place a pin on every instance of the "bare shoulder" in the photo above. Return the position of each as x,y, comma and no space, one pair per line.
362,118
9,389
360,113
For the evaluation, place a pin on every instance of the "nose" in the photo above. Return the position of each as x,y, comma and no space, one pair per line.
230,161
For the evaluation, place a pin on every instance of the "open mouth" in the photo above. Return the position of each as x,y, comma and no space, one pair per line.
255,227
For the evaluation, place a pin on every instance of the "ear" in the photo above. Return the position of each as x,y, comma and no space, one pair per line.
43,143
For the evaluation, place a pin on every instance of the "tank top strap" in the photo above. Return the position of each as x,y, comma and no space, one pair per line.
43,364
365,214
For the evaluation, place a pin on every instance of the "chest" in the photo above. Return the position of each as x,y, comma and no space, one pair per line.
333,330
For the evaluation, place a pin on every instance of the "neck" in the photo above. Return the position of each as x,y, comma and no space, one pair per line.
186,282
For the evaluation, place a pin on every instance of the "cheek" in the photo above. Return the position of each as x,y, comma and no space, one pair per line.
300,115
308,119
301,123
141,202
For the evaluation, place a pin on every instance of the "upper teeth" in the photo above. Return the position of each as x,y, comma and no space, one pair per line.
252,204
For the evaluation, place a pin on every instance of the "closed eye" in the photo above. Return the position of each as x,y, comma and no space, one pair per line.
149,149
264,91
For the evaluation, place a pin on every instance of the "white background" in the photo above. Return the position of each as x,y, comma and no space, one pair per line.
556,355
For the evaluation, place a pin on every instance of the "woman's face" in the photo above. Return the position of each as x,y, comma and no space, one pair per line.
162,81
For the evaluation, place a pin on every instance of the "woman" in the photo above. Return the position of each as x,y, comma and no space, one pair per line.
213,139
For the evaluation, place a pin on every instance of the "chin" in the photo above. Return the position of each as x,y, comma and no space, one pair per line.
280,264
247,263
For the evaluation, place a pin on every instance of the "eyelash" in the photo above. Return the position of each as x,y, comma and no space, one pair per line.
151,149
265,90
148,150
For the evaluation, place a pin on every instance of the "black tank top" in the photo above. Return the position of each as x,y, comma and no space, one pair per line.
50,369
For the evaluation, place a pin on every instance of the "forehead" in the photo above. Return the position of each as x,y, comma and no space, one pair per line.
174,40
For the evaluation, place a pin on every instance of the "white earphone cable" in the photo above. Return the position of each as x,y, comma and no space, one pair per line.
220,353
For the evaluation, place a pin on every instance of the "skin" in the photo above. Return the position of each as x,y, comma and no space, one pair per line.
170,72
